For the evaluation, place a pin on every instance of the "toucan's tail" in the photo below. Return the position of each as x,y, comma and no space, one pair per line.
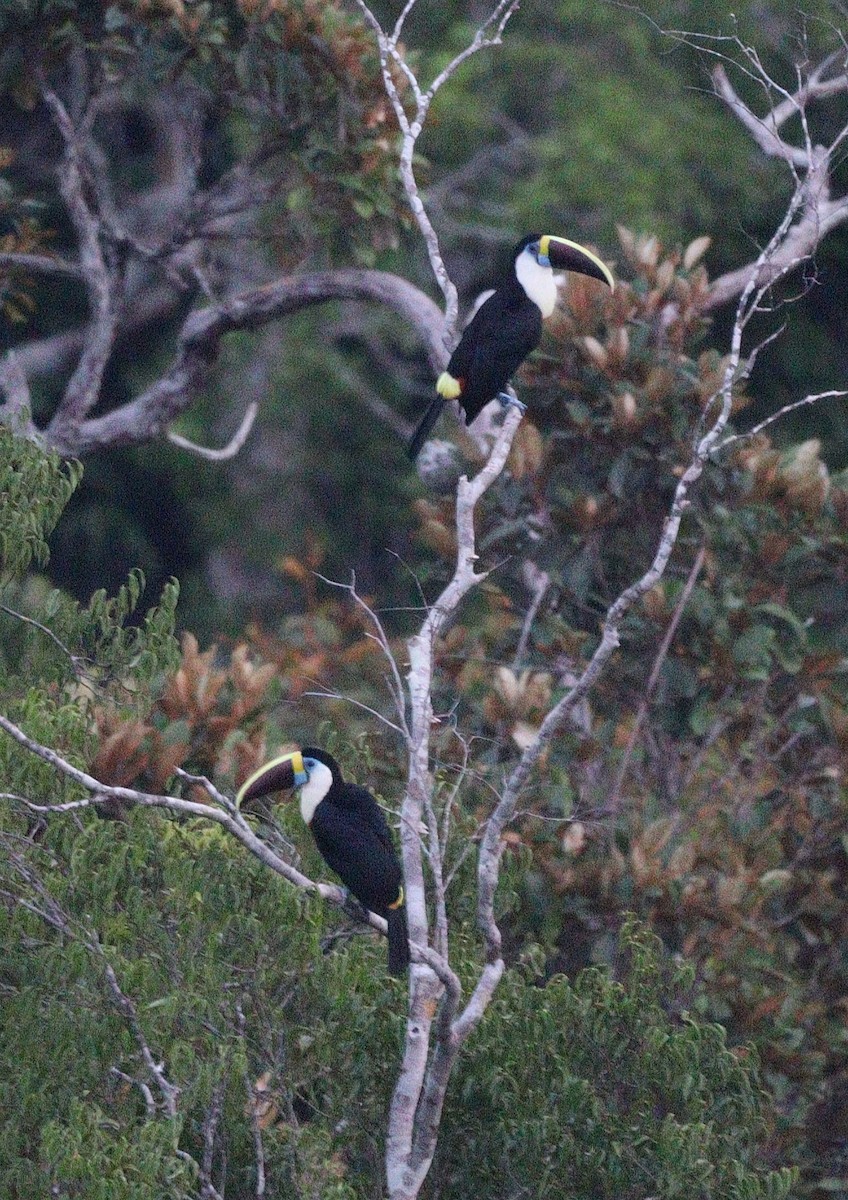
426,423
398,940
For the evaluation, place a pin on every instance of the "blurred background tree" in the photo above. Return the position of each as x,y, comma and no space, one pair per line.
273,134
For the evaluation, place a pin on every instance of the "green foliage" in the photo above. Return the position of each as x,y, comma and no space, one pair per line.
96,1157
264,1015
47,635
605,1088
27,472
60,659
258,1011
224,965
297,81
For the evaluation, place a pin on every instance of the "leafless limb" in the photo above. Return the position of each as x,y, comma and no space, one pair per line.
776,416
211,1121
149,414
362,390
439,1017
40,264
13,384
223,812
539,582
103,278
380,636
233,445
816,211
490,33
258,1144
430,1054
422,1081
327,694
720,406
146,1093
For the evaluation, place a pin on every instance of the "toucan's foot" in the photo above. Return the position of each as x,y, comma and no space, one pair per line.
508,401
353,907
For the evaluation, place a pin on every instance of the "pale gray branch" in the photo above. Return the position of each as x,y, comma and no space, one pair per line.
40,264
13,384
150,413
233,445
815,212
775,416
102,277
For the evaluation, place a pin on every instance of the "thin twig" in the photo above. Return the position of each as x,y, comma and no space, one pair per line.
74,659
775,416
233,445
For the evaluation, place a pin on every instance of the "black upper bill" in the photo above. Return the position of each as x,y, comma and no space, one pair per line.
568,256
276,776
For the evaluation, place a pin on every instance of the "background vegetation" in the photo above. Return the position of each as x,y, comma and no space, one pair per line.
702,787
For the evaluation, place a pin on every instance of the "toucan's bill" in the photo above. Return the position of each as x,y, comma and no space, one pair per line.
571,256
279,775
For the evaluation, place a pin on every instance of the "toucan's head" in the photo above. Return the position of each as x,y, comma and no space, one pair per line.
292,770
557,252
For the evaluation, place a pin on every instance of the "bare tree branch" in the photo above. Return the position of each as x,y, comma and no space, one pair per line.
41,264
13,384
150,413
816,212
776,416
222,811
102,275
233,445
614,801
489,34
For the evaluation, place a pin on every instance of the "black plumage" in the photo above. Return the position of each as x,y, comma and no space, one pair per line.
504,330
485,360
352,836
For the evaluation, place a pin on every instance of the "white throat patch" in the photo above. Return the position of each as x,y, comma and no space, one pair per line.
537,281
315,789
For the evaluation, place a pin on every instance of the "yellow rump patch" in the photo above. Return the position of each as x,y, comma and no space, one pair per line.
399,902
448,387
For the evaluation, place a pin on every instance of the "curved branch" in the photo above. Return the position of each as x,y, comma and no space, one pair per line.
13,384
233,445
150,413
103,279
813,210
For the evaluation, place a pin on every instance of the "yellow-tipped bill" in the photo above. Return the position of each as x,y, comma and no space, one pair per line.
571,256
279,775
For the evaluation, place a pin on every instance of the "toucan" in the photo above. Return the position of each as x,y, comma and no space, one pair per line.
350,832
506,328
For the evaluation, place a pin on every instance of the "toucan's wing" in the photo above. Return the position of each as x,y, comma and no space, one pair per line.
496,344
358,847
366,807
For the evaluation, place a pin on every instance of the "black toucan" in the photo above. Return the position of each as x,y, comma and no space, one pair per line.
350,831
506,328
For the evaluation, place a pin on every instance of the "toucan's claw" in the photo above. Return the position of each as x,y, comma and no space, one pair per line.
508,401
353,907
